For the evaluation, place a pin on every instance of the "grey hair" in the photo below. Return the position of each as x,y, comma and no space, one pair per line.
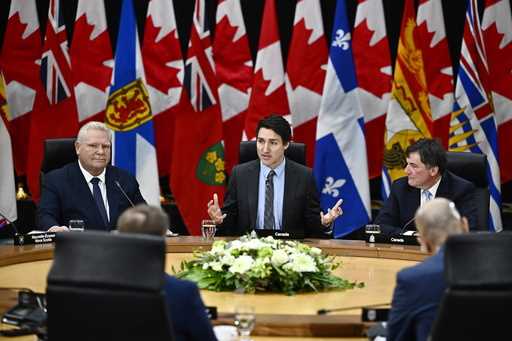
437,219
144,219
93,125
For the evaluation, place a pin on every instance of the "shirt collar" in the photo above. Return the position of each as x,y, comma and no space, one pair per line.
279,170
434,187
88,176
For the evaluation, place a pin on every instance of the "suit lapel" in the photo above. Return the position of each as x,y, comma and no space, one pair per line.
290,183
252,187
111,197
443,191
83,193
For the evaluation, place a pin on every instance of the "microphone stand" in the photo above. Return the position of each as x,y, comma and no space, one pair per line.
327,311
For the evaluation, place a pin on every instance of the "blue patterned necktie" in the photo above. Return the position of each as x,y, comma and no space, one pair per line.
427,195
98,198
268,219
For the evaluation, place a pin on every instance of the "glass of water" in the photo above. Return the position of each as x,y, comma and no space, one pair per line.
244,321
76,225
208,229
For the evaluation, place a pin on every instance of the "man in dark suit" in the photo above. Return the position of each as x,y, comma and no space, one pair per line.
419,288
272,192
90,189
187,311
426,178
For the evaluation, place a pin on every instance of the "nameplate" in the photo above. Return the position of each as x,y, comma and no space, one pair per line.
375,314
392,239
279,234
34,238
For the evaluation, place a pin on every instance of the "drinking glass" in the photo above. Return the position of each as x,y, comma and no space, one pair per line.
244,321
208,229
76,225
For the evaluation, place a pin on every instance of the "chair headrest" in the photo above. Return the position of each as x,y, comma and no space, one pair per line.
58,153
296,151
479,260
470,166
104,260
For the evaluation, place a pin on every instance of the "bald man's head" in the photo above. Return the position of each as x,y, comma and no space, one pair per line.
144,219
436,220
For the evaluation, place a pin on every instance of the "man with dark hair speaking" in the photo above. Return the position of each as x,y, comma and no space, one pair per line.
427,178
272,192
187,311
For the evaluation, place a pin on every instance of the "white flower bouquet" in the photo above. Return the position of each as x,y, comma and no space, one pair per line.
251,264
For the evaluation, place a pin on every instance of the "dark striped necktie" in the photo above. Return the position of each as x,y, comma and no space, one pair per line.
268,220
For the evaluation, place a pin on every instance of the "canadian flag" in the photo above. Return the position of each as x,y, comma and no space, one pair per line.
163,67
19,60
305,75
430,34
91,60
268,90
497,34
233,67
370,48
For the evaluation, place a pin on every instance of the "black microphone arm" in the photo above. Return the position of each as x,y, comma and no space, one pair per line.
124,193
327,311
402,230
10,223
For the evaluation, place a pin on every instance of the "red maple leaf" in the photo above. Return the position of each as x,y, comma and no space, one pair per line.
499,61
435,59
305,61
88,56
370,60
157,54
231,57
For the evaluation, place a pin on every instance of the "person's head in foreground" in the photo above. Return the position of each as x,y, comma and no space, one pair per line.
426,162
144,219
273,136
436,220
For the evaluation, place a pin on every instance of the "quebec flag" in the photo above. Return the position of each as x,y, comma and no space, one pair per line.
341,168
128,111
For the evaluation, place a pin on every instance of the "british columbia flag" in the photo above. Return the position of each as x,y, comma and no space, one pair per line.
55,62
473,126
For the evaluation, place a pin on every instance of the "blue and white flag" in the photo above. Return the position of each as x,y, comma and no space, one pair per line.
341,168
129,112
473,127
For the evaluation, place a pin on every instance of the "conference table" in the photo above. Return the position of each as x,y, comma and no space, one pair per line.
278,316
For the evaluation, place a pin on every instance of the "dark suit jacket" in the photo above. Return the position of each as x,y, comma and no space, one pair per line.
418,291
404,200
188,314
301,208
66,195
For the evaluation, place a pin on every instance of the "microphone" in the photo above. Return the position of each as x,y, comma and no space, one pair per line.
327,311
402,230
124,193
16,233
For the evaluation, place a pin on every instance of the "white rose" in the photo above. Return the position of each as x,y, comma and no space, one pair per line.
254,244
279,257
216,266
303,263
316,251
227,259
241,264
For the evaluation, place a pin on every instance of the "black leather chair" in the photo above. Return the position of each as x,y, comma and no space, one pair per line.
57,153
472,167
296,152
105,286
478,300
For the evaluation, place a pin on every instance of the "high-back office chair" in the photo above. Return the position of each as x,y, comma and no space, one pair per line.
105,286
472,167
57,153
478,300
296,151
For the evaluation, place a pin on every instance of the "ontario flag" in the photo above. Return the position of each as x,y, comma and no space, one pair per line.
373,70
305,73
233,67
19,61
198,169
91,60
497,35
128,111
7,185
164,69
431,35
409,117
268,94
340,160
58,83
473,127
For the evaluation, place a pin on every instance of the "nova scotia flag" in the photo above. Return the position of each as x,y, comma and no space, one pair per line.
129,113
341,168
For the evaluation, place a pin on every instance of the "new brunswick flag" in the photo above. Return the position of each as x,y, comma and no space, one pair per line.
409,117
